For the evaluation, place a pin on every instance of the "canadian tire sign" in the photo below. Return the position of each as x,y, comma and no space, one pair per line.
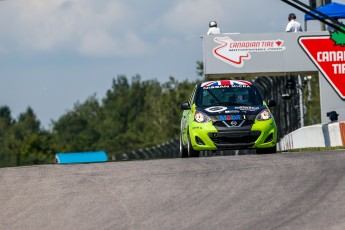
329,57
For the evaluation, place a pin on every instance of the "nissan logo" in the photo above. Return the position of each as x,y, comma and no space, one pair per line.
233,123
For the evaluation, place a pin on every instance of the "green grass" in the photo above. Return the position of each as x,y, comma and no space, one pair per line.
316,149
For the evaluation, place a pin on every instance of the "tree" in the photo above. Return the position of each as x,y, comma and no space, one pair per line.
77,129
23,143
200,68
114,112
6,121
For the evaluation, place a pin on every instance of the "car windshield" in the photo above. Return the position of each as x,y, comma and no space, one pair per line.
228,95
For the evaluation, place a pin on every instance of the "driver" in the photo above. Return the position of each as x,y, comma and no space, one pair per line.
242,95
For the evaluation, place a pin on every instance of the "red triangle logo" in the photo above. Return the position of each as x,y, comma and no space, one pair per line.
328,58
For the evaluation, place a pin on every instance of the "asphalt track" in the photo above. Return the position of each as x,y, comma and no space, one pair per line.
278,191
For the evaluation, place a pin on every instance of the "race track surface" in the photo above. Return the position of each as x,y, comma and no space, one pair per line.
278,191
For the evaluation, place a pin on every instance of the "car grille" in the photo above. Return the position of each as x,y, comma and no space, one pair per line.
239,123
233,138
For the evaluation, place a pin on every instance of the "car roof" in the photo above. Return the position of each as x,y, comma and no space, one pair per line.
226,83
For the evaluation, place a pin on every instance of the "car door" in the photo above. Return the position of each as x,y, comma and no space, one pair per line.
186,117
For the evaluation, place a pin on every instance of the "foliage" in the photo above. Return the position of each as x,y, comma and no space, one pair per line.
133,114
200,68
312,102
22,142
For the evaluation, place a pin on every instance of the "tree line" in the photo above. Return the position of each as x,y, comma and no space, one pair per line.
133,114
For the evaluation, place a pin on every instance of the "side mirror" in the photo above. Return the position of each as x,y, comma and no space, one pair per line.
185,106
271,103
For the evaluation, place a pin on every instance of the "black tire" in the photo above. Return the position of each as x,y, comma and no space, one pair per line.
267,150
183,150
191,151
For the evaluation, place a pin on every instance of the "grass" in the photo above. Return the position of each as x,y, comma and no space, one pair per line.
315,149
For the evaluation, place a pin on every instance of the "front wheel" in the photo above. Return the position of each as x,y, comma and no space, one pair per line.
183,150
191,151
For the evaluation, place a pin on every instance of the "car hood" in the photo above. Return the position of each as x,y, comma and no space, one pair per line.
216,112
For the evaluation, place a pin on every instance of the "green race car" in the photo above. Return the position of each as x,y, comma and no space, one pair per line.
227,114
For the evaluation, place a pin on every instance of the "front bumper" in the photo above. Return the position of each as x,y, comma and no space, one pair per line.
262,134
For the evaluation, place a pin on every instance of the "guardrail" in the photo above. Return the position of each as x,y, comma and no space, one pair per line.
168,149
171,149
321,135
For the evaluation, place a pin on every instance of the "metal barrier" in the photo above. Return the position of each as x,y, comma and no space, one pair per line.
327,135
286,113
168,149
171,149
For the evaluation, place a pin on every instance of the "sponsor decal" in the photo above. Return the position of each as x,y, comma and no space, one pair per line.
230,117
328,54
247,108
235,52
231,111
216,109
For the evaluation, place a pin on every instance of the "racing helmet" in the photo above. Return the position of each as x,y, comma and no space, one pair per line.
292,16
213,24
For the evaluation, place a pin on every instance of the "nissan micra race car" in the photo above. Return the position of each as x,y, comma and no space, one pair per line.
227,114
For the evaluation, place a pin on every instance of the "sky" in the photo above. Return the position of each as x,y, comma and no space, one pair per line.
55,53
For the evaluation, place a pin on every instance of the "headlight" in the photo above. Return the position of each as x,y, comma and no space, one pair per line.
264,115
200,117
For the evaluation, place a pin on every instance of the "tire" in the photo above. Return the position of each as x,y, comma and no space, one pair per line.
267,150
183,150
191,151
